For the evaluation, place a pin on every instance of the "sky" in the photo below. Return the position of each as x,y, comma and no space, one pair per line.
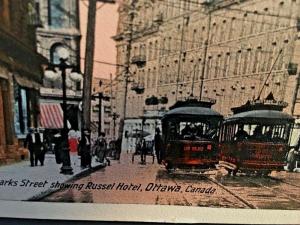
106,27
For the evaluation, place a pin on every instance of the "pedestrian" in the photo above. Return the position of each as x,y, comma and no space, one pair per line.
42,146
85,149
57,139
118,146
143,151
101,149
73,146
30,145
158,145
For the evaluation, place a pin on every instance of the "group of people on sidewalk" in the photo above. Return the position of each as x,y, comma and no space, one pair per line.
36,144
86,148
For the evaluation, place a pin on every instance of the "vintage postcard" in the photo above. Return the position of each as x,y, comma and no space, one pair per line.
150,110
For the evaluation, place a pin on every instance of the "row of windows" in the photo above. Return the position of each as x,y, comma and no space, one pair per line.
223,28
242,62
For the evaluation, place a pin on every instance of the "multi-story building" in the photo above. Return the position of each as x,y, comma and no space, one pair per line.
228,50
59,29
20,76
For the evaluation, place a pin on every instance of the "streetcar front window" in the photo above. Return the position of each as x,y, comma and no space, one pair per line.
188,130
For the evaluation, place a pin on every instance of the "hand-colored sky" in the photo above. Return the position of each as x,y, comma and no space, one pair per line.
106,27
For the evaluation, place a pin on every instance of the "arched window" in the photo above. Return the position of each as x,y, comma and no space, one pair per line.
54,57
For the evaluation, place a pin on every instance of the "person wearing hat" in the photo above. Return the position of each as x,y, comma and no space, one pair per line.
158,145
30,144
42,145
85,149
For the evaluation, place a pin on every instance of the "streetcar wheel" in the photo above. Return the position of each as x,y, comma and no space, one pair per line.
234,172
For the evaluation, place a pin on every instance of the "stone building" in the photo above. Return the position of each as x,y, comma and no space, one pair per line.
227,50
59,29
20,76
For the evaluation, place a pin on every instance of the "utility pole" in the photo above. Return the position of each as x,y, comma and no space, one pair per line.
127,64
89,61
89,64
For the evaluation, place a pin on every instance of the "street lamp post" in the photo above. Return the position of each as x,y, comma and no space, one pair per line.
50,74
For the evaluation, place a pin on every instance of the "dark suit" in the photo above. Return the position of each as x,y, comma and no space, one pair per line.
42,147
158,147
85,150
30,143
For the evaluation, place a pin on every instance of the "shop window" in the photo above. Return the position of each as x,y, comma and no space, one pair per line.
21,112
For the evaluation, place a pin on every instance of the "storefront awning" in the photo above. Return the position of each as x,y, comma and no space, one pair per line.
51,115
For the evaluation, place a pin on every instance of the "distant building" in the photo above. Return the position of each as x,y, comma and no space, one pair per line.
59,28
20,76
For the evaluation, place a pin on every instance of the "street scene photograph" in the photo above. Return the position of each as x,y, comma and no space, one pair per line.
151,102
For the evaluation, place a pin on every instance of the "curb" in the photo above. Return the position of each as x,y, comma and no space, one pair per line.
79,175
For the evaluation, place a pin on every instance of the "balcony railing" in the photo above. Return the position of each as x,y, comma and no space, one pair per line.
139,60
138,88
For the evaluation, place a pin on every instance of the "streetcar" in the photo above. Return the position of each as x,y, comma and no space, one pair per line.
190,135
255,139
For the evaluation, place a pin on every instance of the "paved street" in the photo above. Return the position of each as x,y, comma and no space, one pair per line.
26,175
151,184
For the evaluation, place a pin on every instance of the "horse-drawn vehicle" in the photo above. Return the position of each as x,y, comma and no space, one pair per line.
255,139
190,131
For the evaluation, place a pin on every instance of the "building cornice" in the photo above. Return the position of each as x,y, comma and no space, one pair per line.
61,32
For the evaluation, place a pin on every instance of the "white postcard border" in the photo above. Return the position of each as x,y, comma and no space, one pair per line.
144,213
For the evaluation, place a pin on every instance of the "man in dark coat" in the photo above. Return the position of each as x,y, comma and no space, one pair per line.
118,147
37,147
30,145
158,145
85,149
143,151
42,139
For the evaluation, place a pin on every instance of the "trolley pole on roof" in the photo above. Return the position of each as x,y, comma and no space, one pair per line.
268,76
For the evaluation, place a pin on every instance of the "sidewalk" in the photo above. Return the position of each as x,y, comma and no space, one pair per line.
24,175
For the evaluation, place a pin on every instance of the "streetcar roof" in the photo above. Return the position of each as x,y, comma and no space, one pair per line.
261,116
201,112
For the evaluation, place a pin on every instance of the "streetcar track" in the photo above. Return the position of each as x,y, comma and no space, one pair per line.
250,205
184,198
283,181
207,176
275,191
